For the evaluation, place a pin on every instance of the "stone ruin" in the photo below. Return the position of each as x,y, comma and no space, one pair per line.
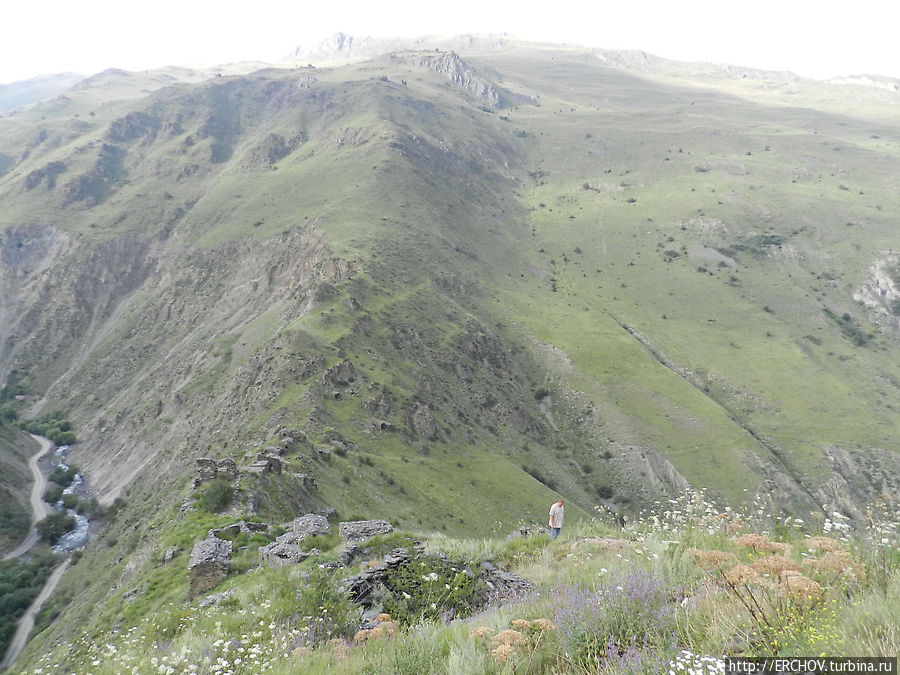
209,564
266,462
210,469
359,530
285,550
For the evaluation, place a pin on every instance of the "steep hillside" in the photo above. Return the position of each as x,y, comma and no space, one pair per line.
448,287
15,483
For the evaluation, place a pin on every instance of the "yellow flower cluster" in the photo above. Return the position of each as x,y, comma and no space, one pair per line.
801,589
506,642
385,627
775,565
707,560
762,544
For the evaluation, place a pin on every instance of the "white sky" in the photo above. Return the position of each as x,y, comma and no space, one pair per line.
811,38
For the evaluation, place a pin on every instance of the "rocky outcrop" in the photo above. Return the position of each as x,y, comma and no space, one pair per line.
461,75
359,530
209,564
527,531
421,421
362,585
880,293
341,379
234,530
285,550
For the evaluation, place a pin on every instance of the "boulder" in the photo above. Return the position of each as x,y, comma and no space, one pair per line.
209,564
360,530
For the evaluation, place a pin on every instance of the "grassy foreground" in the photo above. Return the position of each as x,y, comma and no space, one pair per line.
674,590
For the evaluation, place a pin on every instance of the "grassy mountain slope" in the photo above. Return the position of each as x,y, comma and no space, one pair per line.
15,513
457,287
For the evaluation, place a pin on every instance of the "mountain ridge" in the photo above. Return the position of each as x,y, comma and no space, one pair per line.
445,312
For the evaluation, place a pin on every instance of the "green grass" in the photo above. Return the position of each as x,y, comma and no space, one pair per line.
596,582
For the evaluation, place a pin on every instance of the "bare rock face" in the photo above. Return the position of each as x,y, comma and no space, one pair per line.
209,564
421,421
880,293
360,530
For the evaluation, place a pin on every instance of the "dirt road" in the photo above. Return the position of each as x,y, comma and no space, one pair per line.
39,508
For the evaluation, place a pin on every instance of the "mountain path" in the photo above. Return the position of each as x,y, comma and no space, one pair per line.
39,508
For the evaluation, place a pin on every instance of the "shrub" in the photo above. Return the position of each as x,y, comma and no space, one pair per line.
217,496
53,494
55,526
429,588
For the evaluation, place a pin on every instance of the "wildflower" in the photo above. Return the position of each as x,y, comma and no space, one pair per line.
480,632
741,574
707,560
823,544
761,544
544,625
775,564
521,624
802,589
381,618
509,637
502,652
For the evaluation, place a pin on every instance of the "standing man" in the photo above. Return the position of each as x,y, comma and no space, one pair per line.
556,519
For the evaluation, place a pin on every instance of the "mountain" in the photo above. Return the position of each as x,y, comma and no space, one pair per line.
17,94
445,287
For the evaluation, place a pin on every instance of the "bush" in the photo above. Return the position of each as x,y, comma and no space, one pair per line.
55,526
217,496
53,494
63,477
431,588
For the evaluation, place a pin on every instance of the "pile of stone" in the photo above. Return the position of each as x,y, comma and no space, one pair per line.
285,550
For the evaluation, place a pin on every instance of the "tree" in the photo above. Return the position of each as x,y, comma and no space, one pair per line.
55,526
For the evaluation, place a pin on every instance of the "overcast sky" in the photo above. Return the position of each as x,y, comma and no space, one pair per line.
814,39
